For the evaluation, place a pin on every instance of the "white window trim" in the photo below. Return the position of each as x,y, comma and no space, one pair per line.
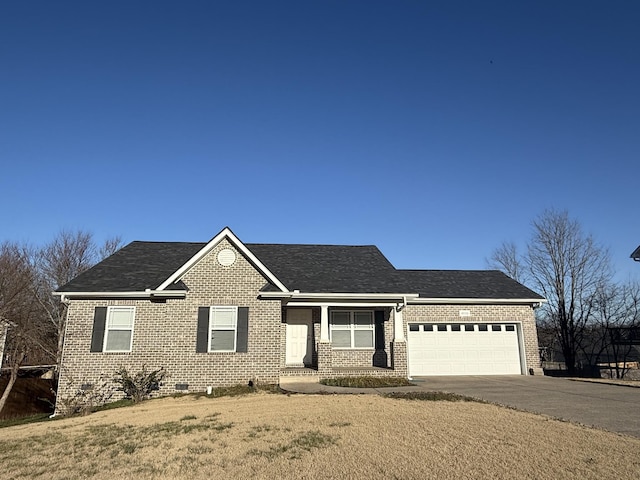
107,329
352,329
235,328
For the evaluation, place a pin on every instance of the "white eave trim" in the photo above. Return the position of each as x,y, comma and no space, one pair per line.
148,293
338,296
229,235
403,298
481,301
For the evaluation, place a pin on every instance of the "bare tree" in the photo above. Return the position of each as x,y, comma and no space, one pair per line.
20,316
68,255
507,259
567,267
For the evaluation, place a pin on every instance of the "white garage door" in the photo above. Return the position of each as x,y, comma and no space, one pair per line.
463,349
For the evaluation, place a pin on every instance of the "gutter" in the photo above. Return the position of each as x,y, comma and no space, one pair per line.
148,293
535,302
297,295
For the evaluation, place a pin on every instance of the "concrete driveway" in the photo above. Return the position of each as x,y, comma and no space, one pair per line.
610,407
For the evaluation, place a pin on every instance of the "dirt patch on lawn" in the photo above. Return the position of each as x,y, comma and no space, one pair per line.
314,436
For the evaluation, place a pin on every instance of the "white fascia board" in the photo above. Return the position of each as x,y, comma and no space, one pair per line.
456,301
339,303
334,296
229,235
142,294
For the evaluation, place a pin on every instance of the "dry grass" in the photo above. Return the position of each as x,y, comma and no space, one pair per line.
277,436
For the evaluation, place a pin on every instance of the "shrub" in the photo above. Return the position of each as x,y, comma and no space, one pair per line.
139,386
366,382
86,398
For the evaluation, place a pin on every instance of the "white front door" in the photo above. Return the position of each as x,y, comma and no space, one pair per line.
299,337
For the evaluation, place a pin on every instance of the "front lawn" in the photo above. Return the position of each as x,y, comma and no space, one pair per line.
266,436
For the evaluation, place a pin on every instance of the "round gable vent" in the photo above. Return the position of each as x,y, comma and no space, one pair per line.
226,257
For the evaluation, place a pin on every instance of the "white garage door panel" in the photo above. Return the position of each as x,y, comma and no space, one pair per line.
452,352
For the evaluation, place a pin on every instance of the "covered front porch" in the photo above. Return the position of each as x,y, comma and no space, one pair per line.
325,339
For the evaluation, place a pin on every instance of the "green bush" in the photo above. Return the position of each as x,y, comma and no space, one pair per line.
139,386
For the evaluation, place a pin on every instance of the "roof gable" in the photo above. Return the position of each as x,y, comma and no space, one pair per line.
227,234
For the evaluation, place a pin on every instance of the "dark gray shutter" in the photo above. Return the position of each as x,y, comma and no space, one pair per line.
202,336
379,329
97,334
243,330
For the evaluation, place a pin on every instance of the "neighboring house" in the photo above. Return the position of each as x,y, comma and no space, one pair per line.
226,312
636,254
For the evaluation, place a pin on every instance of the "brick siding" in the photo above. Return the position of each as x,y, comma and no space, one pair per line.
165,333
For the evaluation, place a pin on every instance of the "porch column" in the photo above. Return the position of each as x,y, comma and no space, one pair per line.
398,330
324,323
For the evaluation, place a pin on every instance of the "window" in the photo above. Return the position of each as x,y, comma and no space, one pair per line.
118,333
223,324
352,329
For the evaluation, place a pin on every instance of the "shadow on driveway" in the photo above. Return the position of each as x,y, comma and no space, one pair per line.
609,407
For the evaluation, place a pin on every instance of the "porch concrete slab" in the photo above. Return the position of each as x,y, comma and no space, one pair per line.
605,406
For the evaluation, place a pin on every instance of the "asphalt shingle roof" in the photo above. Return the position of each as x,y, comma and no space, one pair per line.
483,284
308,268
134,268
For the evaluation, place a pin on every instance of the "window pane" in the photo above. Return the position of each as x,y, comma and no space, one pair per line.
414,327
223,340
363,319
341,338
340,319
363,338
118,340
223,317
121,317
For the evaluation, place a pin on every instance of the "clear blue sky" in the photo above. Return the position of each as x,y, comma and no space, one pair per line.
435,130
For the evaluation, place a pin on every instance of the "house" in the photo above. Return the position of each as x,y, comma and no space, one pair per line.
636,254
226,312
